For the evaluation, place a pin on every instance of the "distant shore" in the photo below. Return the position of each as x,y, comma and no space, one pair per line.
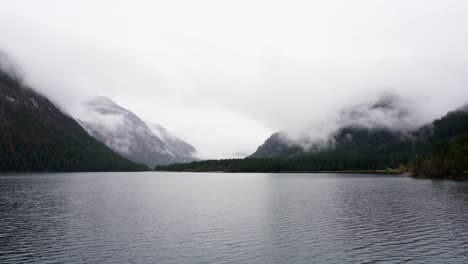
391,172
463,177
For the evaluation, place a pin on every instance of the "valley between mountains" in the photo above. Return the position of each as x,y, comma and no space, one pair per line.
38,136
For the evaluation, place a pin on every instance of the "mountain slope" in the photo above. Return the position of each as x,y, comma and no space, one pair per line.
379,128
277,146
179,147
128,135
36,136
439,149
350,139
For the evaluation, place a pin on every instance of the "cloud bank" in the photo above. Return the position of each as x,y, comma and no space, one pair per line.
225,75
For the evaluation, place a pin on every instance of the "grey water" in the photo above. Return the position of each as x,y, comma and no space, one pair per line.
231,218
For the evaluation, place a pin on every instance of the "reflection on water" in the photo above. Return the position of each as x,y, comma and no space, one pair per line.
231,218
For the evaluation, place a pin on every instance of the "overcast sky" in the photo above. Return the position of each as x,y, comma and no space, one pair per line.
224,75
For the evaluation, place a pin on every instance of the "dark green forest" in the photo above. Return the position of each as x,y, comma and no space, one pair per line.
448,159
439,149
36,136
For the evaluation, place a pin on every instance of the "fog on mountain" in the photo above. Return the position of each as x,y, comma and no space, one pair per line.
125,133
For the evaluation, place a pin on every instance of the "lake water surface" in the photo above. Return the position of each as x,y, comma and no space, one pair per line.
231,218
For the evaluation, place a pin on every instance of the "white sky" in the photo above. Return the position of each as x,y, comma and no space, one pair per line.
224,75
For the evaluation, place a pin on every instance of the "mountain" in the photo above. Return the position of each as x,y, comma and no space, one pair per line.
437,149
381,127
453,124
179,147
36,136
386,126
131,137
370,147
277,145
350,139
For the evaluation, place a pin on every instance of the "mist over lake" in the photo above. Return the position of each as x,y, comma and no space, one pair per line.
159,217
247,131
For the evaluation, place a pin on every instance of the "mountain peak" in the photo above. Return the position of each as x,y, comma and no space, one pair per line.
389,112
101,100
125,133
104,102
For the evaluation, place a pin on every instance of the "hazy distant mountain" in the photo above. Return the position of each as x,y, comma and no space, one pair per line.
128,135
177,146
276,146
391,132
351,139
438,149
36,136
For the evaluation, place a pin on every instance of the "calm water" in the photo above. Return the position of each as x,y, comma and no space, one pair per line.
231,218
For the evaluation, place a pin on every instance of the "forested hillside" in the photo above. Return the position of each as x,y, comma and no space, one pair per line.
438,149
36,136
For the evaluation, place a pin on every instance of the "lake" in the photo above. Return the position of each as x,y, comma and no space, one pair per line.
156,217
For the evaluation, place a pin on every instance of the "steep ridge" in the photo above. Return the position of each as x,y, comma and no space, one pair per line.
36,136
390,132
128,135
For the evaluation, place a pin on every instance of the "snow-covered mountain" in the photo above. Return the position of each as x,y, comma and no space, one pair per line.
128,135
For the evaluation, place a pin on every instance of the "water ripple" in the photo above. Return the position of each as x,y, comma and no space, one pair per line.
231,218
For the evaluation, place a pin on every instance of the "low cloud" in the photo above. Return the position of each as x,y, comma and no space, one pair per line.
9,67
226,84
390,111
